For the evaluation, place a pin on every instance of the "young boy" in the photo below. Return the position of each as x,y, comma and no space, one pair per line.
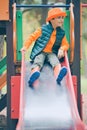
50,43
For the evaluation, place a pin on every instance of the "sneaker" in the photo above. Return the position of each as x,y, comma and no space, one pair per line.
61,75
33,78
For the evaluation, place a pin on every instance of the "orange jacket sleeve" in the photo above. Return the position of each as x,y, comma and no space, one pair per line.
65,44
33,37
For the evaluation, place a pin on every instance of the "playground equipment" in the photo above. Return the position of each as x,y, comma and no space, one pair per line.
11,26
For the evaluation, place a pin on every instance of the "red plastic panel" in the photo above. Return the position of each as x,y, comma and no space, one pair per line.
15,94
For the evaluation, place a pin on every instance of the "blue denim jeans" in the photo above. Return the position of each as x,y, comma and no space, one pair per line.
40,59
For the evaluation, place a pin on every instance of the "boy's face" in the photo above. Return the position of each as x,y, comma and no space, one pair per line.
57,22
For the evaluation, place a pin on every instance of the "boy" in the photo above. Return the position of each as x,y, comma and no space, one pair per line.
50,44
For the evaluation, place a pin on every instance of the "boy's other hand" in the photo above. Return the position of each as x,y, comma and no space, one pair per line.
60,53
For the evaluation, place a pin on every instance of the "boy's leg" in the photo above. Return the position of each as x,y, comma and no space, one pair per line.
35,69
34,76
53,60
56,70
59,72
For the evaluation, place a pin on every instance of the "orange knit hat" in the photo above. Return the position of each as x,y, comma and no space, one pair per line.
55,12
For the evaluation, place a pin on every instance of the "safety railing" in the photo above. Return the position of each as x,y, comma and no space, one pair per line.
14,30
79,125
40,6
72,37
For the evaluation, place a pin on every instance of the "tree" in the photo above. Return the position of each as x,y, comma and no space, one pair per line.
44,12
84,1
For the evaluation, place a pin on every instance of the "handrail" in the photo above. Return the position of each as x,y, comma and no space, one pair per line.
40,6
72,37
14,30
21,105
84,5
80,31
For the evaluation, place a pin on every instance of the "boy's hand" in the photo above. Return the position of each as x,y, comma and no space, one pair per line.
23,49
60,53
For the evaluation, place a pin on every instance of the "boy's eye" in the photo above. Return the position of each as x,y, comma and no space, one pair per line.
60,17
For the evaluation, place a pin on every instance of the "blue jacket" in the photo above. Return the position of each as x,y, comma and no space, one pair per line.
42,41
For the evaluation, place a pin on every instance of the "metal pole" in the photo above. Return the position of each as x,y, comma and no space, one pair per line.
76,63
11,123
40,6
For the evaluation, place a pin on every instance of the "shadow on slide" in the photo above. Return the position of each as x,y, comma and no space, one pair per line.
49,106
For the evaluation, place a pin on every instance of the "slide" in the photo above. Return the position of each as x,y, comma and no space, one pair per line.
49,106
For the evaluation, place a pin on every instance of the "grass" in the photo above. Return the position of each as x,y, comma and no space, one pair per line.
83,85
